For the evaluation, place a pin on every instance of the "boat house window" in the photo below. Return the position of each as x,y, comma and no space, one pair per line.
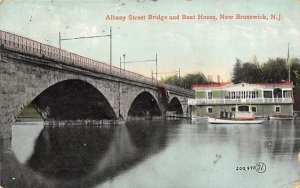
209,95
232,95
254,94
243,108
277,109
277,93
253,108
233,109
287,94
209,110
243,94
267,94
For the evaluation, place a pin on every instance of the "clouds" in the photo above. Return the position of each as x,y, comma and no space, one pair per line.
269,33
294,31
211,46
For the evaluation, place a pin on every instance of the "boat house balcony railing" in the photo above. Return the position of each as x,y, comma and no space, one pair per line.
240,101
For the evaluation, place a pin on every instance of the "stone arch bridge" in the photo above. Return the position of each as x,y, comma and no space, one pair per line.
65,86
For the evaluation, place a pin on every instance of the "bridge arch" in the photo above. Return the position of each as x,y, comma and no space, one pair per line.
60,82
144,105
73,100
175,106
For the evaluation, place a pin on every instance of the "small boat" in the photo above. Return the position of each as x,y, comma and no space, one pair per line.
197,119
237,118
281,117
235,121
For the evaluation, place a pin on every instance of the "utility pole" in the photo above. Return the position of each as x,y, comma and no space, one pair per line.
124,60
110,48
176,72
152,74
89,37
156,66
142,61
289,65
120,64
59,38
179,77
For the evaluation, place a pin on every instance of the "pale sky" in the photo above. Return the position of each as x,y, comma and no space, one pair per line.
209,46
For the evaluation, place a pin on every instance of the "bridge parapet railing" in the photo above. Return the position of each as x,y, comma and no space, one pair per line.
30,46
188,92
17,42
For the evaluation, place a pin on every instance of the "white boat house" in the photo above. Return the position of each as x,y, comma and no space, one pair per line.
264,99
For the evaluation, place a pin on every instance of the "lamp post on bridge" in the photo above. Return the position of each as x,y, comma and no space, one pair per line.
89,37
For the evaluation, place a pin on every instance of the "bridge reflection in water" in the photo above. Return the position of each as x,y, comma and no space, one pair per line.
152,154
77,156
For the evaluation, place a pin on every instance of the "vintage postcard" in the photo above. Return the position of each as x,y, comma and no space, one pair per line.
149,93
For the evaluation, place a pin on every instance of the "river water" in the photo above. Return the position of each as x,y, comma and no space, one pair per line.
153,154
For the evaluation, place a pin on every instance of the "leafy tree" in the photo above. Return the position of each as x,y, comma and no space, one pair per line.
246,72
266,72
186,81
295,70
275,70
237,76
173,80
191,79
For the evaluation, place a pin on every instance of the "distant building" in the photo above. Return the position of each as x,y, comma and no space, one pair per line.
264,99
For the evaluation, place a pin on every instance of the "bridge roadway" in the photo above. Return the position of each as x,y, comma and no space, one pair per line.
66,86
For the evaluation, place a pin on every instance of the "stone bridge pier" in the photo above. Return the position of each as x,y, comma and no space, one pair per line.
64,86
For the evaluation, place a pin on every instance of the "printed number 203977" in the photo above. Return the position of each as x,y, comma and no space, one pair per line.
246,168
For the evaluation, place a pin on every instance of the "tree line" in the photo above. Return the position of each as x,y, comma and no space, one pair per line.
273,71
185,81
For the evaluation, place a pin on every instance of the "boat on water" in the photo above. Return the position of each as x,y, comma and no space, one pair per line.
236,118
281,117
197,119
234,121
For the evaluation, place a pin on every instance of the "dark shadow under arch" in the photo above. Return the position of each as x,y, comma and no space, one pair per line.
73,100
144,105
175,106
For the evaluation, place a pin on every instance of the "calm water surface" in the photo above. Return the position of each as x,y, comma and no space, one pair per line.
153,154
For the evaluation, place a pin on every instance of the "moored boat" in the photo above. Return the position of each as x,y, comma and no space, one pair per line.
236,118
235,121
281,117
197,119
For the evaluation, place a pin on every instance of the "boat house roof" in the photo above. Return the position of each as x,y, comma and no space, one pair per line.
242,86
